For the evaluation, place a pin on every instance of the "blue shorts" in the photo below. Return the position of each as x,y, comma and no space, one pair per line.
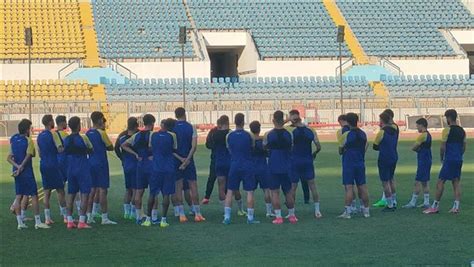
303,171
222,169
386,170
100,176
163,182
142,178
450,170
26,185
63,170
130,179
280,180
79,179
353,175
242,174
52,177
423,172
261,178
188,174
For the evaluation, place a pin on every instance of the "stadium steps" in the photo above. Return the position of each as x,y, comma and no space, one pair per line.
380,89
361,57
93,75
90,36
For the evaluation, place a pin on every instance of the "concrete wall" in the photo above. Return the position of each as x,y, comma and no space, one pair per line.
463,36
38,71
223,39
193,69
433,66
297,68
248,59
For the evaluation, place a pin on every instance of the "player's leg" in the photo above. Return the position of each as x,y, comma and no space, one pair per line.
154,212
392,184
240,203
138,204
211,180
96,208
414,197
388,194
268,202
17,210
70,208
62,203
457,195
91,205
348,197
195,200
152,199
363,194
305,188
426,194
228,206
35,204
290,199
178,200
314,191
187,197
164,212
127,198
249,185
103,191
47,210
439,193
221,182
84,206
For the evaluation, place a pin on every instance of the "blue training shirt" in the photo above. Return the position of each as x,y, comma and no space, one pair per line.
279,143
163,144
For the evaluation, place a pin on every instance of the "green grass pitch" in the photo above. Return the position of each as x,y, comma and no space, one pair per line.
405,237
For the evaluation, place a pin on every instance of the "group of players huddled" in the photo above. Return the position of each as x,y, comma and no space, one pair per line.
163,162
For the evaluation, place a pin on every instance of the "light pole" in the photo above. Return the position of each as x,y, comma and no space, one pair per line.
340,40
182,42
29,43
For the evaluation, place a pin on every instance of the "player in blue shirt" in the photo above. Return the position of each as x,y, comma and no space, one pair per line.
259,158
386,143
453,146
22,150
422,147
77,148
186,136
129,165
240,144
278,142
383,201
138,146
352,147
163,145
99,168
49,146
345,128
302,157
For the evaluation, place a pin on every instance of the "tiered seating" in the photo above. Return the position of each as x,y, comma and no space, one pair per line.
430,85
140,28
247,88
405,28
56,29
52,90
280,28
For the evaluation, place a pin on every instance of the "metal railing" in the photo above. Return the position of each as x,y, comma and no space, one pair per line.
128,73
386,63
345,65
66,70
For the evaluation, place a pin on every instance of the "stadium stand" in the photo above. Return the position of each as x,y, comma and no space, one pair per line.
405,28
93,75
280,29
430,85
143,29
56,28
52,90
248,88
